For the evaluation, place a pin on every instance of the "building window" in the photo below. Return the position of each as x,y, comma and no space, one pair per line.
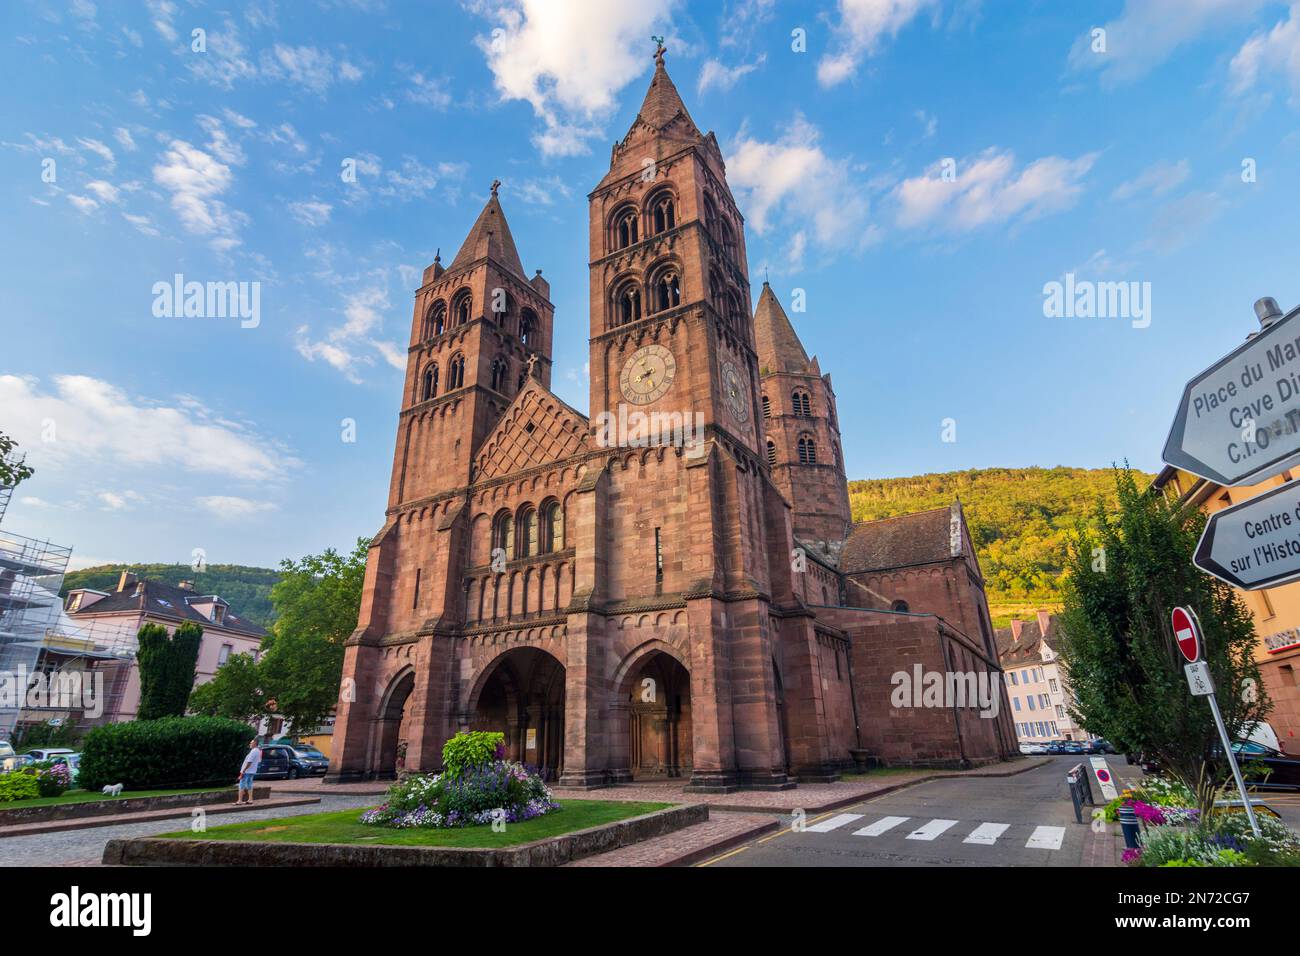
666,290
1015,701
527,326
802,404
625,228
1012,675
527,532
807,451
767,407
74,603
552,527
503,533
415,598
223,655
429,386
627,303
663,213
899,606
771,454
456,372
659,556
498,375
435,322
1051,685
462,307
1030,699
218,614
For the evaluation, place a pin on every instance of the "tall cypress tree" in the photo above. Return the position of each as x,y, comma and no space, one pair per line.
1125,669
166,663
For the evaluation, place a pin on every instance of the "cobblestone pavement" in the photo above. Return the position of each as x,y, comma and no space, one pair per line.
86,847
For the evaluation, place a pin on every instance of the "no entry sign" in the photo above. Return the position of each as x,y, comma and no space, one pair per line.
1188,633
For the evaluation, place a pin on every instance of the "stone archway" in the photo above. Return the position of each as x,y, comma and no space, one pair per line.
522,696
391,724
654,703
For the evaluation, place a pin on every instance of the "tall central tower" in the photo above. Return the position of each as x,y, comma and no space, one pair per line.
670,329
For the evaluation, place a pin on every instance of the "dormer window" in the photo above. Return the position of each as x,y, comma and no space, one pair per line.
218,614
74,602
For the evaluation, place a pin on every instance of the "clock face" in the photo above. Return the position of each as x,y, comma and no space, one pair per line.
733,392
648,374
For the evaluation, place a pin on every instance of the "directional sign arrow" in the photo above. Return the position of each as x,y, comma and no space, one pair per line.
1239,420
1255,544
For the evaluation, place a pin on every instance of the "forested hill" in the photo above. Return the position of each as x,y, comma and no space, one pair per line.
247,590
1018,517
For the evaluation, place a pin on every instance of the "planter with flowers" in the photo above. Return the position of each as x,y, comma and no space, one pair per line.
477,786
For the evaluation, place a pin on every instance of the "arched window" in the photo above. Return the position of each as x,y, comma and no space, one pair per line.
527,532
429,385
627,303
624,227
461,307
666,290
807,451
527,326
456,372
771,454
552,527
767,407
728,238
710,216
802,403
502,306
899,605
498,375
735,314
503,533
663,213
435,320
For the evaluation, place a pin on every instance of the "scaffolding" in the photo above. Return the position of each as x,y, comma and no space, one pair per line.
31,574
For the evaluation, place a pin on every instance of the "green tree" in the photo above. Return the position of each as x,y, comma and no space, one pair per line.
166,663
235,691
12,471
317,602
1125,575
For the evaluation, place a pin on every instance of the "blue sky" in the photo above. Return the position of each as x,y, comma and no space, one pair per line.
154,436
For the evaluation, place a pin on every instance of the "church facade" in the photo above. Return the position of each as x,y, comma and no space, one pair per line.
671,587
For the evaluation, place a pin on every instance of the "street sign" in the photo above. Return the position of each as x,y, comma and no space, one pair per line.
1239,420
1255,544
1187,631
1104,778
1199,679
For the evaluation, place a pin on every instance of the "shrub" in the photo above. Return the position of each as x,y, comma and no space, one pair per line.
18,786
466,751
498,791
170,752
52,779
166,662
1227,840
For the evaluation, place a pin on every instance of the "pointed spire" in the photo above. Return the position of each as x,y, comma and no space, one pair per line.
779,348
490,238
662,101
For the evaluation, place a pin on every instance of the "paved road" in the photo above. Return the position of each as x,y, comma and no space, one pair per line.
82,847
1004,821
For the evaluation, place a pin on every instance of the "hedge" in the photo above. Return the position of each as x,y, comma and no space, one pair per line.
168,752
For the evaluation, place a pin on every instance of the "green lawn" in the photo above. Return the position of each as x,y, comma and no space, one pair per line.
90,796
342,826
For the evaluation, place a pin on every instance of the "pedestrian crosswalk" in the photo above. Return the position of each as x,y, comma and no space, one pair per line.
983,834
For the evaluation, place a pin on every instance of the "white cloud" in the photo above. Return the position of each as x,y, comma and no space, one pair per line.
1269,53
715,75
428,92
163,12
100,149
123,136
233,507
988,189
351,346
793,179
863,25
568,59
143,223
96,425
311,212
219,141
195,180
305,66
84,204
1156,179
1148,32
106,191
113,501
540,192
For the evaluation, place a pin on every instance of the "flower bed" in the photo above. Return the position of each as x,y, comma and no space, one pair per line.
479,787
1173,833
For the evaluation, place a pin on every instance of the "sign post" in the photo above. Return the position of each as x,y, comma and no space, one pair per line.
1187,631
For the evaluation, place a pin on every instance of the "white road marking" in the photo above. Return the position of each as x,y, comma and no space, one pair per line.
1046,838
833,823
986,834
931,829
880,826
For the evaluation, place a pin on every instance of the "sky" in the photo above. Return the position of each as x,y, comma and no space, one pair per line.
917,172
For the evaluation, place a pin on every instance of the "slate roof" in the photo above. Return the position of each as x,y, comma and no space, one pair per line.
779,348
490,238
900,541
164,600
1029,648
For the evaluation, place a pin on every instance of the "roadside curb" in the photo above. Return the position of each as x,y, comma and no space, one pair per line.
701,854
145,816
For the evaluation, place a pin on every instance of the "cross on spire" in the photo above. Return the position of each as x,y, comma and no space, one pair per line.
496,184
659,49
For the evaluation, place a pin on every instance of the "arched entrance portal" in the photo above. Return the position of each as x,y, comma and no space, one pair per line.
523,698
391,726
659,718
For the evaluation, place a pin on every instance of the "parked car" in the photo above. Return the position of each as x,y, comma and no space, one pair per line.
1056,747
8,757
1033,749
49,753
1266,767
1073,747
308,761
1100,746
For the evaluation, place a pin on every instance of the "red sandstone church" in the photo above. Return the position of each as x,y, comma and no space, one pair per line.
702,608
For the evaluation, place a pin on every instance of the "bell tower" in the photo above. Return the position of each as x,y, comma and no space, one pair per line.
669,290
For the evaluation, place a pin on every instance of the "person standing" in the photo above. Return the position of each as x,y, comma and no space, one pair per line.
248,772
